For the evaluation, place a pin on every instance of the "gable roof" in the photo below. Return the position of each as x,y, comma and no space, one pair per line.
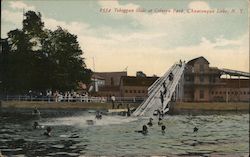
191,62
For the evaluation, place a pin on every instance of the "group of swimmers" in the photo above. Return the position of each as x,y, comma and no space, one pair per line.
144,130
36,125
48,130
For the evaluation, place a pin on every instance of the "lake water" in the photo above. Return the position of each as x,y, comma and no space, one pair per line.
226,134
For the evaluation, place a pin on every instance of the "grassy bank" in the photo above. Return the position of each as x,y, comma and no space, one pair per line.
60,105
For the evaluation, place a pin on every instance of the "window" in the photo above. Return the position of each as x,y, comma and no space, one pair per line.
201,94
112,81
201,78
139,91
134,91
212,92
220,92
201,67
224,92
244,92
143,91
236,93
126,91
187,78
216,92
130,91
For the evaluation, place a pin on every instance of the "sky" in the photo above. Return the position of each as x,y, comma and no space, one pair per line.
151,38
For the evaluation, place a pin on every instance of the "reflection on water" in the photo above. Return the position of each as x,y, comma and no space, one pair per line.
115,135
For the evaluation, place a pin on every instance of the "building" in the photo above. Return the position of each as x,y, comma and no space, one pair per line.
204,84
97,82
121,85
111,78
108,83
136,86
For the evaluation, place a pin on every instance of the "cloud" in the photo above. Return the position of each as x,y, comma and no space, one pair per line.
13,17
149,49
199,5
21,5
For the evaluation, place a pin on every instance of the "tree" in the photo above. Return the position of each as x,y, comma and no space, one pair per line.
65,54
41,59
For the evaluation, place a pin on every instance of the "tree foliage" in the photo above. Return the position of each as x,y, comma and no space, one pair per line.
39,59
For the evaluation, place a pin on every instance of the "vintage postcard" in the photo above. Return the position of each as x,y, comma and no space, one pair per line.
124,78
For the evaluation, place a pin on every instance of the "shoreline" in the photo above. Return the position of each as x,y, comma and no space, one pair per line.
177,108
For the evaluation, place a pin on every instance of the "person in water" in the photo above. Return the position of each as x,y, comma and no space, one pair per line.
144,130
36,111
160,122
150,122
128,112
35,125
48,131
163,128
196,129
98,115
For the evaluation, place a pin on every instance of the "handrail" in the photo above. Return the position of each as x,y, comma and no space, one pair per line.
153,101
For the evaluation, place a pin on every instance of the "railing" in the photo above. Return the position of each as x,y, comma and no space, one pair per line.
153,101
235,72
86,99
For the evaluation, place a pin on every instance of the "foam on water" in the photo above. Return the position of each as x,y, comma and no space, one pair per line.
82,120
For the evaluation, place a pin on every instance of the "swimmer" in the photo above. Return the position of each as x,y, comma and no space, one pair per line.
48,132
128,112
150,122
160,122
144,130
98,115
35,125
163,127
36,111
196,129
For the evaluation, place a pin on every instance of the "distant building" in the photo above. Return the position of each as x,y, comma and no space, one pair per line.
136,86
121,85
111,78
108,83
97,82
204,84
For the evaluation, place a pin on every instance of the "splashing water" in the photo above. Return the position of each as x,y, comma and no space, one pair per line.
115,135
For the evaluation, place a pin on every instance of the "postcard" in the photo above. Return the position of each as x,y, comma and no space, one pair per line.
124,78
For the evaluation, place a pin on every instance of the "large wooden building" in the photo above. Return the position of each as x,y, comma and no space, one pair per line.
204,84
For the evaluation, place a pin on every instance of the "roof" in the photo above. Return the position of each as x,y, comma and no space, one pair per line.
95,76
112,73
191,62
112,78
138,81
